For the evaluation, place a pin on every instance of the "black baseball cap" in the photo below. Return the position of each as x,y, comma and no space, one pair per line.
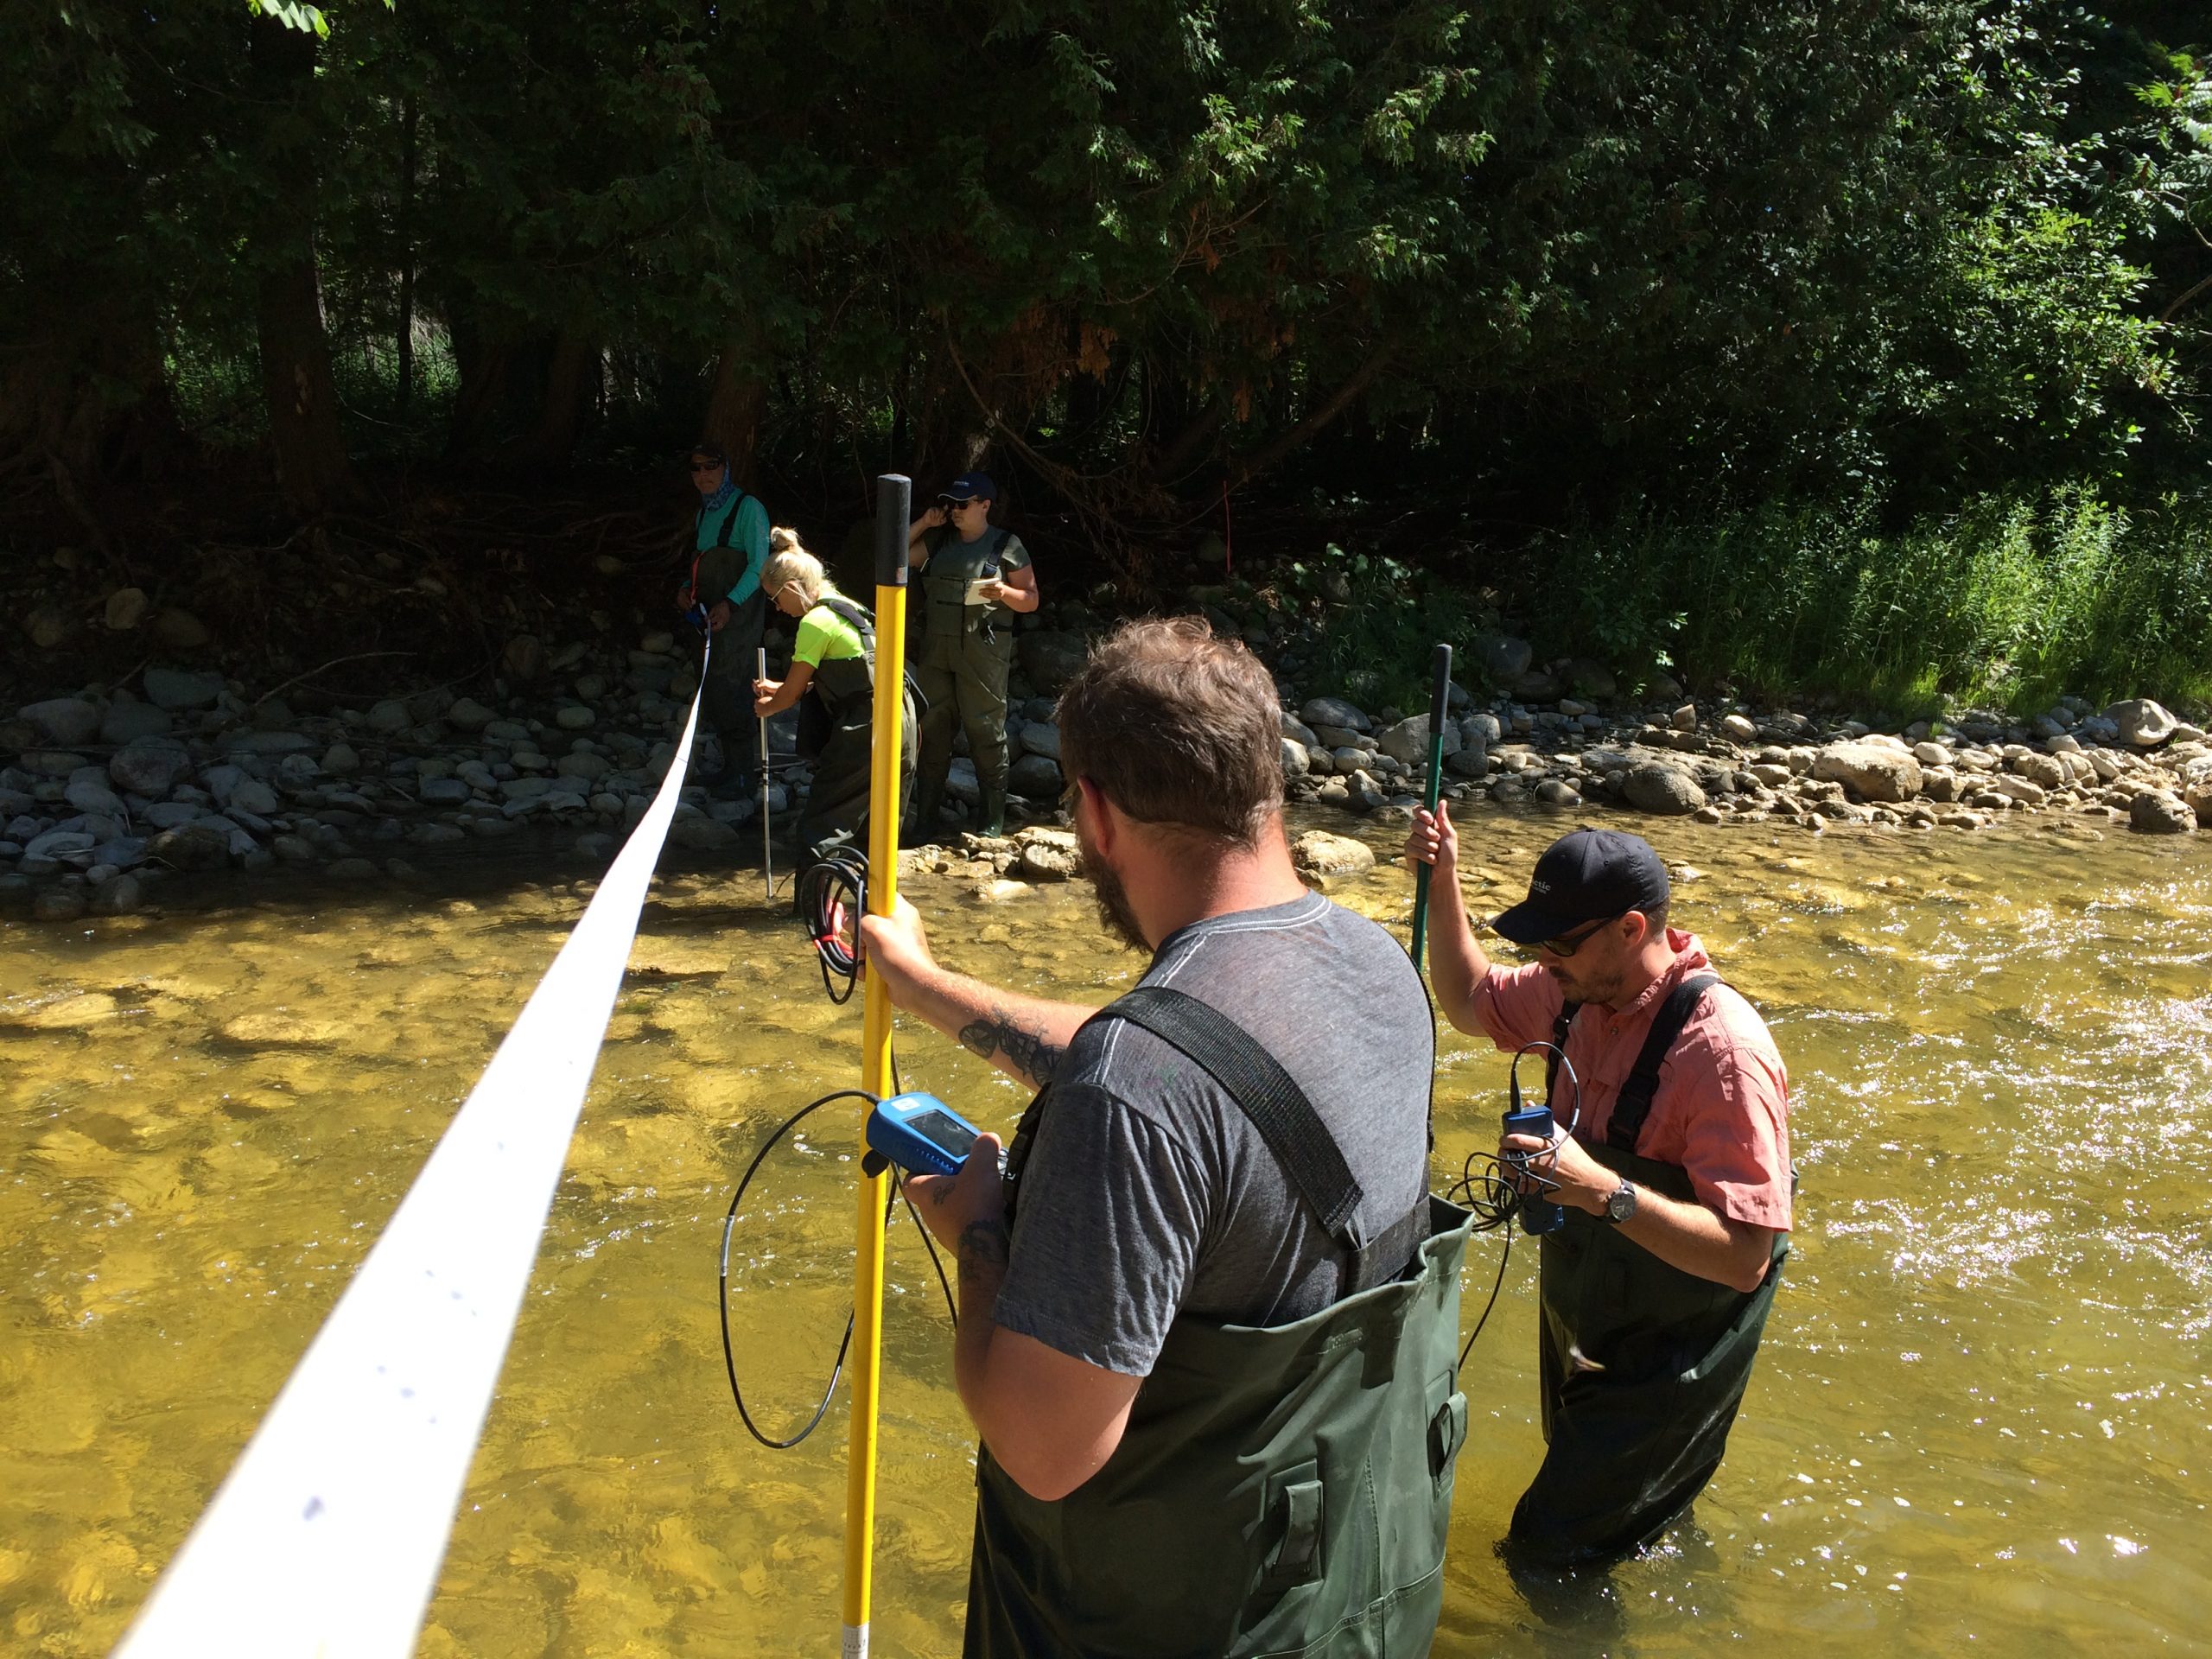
712,452
970,487
1585,876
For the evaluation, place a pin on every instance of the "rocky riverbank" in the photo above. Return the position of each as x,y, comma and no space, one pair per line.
2133,763
109,788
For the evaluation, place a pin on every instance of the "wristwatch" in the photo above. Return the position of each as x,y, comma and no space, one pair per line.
1620,1203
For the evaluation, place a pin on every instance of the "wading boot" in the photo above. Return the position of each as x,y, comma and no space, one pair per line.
919,826
991,815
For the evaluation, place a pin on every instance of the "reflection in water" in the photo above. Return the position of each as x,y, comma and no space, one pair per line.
1981,1412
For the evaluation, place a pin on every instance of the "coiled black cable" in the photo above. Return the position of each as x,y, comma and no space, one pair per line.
831,897
844,1342
1489,1185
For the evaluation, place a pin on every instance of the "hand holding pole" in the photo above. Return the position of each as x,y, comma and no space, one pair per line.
1440,709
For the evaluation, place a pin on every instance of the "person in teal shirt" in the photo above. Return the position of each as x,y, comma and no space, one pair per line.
833,667
729,541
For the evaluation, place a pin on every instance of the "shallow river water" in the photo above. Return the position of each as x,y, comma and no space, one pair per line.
1983,1413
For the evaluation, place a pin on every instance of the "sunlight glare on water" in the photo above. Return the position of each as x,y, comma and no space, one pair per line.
1980,1414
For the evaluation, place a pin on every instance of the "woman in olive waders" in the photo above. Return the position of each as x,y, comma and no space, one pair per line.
975,576
833,678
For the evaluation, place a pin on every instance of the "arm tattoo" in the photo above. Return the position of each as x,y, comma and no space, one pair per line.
1027,1051
985,1244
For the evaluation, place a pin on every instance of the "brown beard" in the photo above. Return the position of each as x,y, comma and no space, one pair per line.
1113,912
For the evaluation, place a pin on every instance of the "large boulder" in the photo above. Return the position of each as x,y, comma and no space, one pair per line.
149,766
466,714
1874,771
524,659
1500,658
175,688
1335,711
178,630
66,721
1317,852
1295,760
1041,737
1667,790
2142,723
125,722
1050,854
1050,659
200,846
1587,678
2155,812
1406,743
1034,777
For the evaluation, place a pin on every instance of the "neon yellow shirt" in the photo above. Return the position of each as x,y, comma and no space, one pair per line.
824,636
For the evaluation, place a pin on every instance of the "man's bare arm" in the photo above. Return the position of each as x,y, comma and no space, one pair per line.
1023,1036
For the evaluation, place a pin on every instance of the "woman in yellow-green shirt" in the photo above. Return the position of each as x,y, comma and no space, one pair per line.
833,670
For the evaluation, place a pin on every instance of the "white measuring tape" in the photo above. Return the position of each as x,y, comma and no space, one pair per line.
326,1538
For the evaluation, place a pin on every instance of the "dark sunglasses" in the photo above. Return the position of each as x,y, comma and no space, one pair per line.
706,467
1568,944
952,506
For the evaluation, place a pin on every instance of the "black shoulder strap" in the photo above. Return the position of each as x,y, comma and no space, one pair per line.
1269,1095
1560,1028
1633,1104
862,623
729,521
1278,1109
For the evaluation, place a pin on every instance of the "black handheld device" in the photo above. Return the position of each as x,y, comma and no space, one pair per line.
1537,1214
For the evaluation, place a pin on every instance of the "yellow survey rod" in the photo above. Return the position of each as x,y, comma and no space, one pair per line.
893,501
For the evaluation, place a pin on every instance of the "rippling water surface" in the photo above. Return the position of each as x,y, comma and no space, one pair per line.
1980,1415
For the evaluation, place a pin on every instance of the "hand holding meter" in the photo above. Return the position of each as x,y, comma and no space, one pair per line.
920,1133
1537,1216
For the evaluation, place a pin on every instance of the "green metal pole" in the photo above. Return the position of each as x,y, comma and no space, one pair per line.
1440,709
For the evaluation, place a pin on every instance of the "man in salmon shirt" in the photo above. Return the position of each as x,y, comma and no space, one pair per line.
1673,1178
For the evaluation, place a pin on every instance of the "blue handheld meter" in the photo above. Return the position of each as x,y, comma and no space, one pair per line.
920,1133
1537,1214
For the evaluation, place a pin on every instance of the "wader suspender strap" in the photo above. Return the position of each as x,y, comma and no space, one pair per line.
860,621
1633,1104
722,539
1278,1109
1558,1049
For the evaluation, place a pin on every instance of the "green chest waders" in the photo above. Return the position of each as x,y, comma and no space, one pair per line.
961,662
1642,1366
1278,1490
837,731
726,696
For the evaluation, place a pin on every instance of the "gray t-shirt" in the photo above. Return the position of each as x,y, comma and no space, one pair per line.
1147,1194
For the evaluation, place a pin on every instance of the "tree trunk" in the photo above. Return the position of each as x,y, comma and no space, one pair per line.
409,121
737,407
481,361
573,352
295,381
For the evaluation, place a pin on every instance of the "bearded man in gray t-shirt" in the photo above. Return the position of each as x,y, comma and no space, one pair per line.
1178,1454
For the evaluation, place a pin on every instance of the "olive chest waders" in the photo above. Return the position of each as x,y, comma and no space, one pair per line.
726,693
1278,1490
961,666
837,730
1642,1366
